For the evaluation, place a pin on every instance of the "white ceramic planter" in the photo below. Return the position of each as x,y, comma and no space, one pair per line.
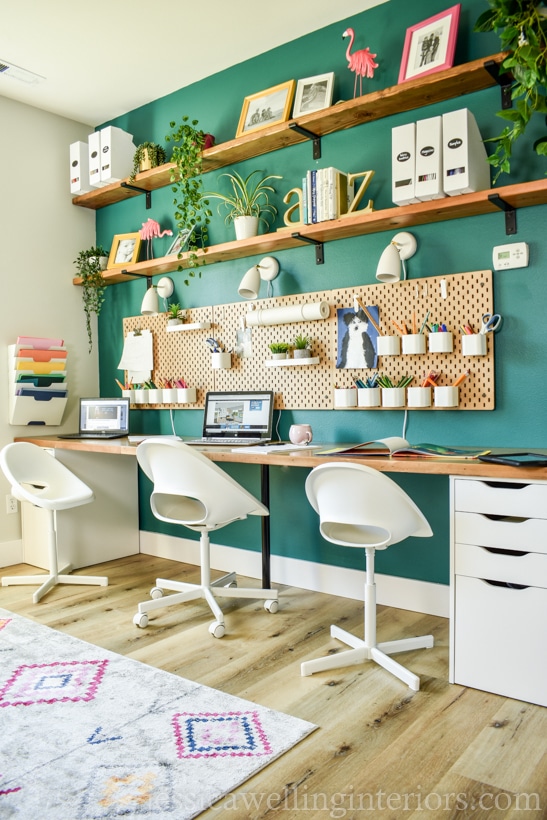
246,226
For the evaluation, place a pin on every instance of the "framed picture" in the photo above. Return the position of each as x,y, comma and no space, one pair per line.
429,46
357,337
180,241
266,108
313,94
125,250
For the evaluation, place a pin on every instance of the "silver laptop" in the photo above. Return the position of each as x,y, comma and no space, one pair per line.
102,419
237,417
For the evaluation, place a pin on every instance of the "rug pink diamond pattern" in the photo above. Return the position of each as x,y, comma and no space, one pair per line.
88,734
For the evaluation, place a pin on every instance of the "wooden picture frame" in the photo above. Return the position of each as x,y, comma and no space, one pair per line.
125,250
313,94
265,108
429,46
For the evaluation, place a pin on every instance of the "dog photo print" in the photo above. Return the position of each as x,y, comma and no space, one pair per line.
357,337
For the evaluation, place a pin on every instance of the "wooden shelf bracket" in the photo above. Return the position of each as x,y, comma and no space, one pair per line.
311,136
319,252
148,194
503,80
510,213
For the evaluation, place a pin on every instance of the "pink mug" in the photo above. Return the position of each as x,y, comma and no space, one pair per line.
300,434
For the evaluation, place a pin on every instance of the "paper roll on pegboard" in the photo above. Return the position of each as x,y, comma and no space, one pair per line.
288,314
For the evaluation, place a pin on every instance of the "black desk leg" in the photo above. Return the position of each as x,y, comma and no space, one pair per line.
265,498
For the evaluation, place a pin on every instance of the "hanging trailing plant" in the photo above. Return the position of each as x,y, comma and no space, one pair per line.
149,154
90,265
522,28
192,212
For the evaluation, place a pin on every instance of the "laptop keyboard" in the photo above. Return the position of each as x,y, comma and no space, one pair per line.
224,440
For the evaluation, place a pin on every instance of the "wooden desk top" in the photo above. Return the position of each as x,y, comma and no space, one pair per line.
307,458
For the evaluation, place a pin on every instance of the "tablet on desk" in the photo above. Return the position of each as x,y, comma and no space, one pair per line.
517,459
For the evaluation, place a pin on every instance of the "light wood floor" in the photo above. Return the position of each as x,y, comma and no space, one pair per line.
380,750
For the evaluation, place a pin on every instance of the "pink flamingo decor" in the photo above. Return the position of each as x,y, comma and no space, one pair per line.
362,62
149,231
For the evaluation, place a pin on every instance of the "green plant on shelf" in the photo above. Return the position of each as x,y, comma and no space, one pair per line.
279,347
301,342
147,155
90,264
249,197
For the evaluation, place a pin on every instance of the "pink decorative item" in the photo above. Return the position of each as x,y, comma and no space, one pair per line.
149,231
361,62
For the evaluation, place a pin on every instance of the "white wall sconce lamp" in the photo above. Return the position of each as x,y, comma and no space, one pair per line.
402,247
164,289
266,270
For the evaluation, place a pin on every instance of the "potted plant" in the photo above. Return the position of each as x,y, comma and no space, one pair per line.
522,27
279,350
90,265
174,314
192,214
147,155
248,204
302,347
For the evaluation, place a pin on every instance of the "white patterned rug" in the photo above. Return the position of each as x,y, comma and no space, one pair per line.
86,733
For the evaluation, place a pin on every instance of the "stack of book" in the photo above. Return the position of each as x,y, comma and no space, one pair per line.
326,194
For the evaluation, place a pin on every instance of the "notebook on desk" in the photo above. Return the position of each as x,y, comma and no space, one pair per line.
101,419
236,418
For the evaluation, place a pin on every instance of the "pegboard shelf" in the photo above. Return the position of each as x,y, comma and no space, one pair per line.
520,195
292,362
188,326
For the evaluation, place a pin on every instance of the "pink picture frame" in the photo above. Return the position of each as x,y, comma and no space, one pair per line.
429,46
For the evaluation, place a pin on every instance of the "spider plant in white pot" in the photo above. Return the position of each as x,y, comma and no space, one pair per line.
248,204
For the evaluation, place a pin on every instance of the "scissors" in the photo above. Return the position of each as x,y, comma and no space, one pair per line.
490,322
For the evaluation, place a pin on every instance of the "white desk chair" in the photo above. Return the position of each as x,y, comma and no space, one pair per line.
361,507
36,476
191,490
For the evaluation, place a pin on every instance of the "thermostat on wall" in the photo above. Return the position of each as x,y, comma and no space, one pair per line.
514,255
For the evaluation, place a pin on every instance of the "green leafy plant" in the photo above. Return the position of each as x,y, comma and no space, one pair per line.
302,342
173,310
279,347
155,154
191,208
89,267
249,196
522,28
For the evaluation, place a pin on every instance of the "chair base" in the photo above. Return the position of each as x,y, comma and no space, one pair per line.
224,587
360,652
49,581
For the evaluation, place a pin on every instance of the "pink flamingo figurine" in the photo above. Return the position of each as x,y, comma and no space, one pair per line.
149,231
362,62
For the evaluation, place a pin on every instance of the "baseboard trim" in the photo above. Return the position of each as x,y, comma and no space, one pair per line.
11,552
403,593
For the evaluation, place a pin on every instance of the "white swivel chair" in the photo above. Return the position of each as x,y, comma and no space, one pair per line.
191,490
38,477
363,508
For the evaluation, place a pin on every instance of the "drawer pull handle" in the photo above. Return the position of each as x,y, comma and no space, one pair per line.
509,519
505,486
501,551
504,584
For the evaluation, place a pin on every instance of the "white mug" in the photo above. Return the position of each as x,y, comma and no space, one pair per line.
300,434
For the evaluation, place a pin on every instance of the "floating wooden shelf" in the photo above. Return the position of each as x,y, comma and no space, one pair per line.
414,94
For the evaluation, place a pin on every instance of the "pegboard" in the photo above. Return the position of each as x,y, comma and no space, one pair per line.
185,354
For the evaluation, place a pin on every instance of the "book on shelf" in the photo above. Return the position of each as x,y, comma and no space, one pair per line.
326,194
399,447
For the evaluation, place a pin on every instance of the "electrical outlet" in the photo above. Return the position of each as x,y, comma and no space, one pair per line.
11,504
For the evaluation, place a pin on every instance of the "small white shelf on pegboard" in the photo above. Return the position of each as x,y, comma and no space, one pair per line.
292,362
189,326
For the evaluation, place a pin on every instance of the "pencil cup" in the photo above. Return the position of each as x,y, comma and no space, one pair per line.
474,344
186,395
141,396
393,396
221,361
388,345
368,397
155,396
129,394
446,396
418,396
169,395
441,342
345,397
414,343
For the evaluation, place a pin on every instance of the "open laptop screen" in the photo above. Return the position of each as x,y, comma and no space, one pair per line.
104,415
239,413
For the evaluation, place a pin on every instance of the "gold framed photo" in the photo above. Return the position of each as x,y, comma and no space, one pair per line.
125,250
266,108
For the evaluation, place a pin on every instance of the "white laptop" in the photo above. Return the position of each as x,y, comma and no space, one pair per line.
237,417
102,419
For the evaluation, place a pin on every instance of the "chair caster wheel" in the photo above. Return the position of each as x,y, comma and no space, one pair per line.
156,592
217,629
271,605
230,585
141,619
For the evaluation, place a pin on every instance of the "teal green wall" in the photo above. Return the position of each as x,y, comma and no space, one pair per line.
444,248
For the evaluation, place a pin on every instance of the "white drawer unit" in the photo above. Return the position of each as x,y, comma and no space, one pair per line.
498,568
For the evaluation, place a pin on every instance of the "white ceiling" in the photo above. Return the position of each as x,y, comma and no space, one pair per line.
103,58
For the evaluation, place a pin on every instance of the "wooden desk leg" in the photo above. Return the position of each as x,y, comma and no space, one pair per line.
265,498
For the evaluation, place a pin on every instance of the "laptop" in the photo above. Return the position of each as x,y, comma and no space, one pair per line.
102,419
238,417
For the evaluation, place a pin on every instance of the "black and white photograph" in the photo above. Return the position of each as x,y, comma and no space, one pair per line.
430,45
313,94
266,108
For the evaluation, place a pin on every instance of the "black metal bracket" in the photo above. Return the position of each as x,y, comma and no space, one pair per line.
141,191
311,136
319,254
510,213
147,276
503,80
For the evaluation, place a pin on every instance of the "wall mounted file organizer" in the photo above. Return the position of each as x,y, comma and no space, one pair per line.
37,381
